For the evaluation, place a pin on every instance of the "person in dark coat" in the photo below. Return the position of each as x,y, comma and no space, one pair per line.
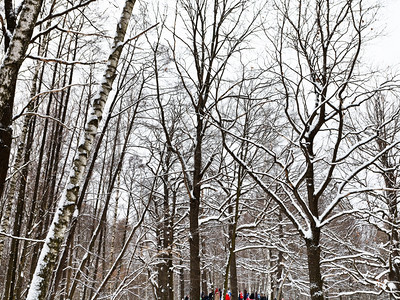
187,297
203,296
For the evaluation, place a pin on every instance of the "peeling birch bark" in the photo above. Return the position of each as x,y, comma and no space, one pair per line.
67,206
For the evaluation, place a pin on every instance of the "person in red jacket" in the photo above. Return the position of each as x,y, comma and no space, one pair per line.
227,297
241,295
217,295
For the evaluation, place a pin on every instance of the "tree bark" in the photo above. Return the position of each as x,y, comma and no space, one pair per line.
181,280
279,272
9,69
165,270
36,88
19,161
314,265
19,213
203,267
194,237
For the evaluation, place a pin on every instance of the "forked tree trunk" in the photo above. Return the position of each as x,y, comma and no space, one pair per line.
66,208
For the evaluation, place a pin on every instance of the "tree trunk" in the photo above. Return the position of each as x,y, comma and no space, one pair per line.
269,281
9,69
36,88
231,267
203,267
19,161
314,265
279,272
43,216
233,276
13,264
165,288
181,280
194,237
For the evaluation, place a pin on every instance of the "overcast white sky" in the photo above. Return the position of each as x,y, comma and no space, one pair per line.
385,50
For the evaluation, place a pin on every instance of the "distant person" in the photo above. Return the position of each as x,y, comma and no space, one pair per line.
241,297
187,297
204,296
217,294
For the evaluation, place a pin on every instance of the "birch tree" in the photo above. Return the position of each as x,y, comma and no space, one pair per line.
67,205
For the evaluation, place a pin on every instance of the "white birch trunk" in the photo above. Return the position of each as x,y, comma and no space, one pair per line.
67,206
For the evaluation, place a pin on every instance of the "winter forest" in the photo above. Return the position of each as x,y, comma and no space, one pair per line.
162,149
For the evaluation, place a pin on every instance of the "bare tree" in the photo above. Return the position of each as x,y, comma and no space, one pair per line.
317,53
213,36
382,206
